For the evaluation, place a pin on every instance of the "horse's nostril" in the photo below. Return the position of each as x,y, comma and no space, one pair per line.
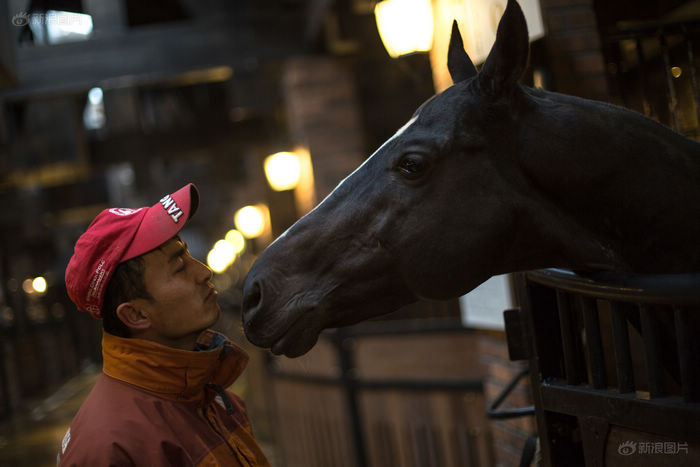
252,296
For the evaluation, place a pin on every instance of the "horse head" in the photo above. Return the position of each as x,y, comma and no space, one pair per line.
464,190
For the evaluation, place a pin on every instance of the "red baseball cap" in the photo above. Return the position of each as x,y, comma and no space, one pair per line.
120,234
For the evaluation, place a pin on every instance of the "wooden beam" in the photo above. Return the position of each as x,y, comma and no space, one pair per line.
8,76
150,54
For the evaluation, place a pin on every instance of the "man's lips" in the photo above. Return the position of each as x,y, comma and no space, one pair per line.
212,293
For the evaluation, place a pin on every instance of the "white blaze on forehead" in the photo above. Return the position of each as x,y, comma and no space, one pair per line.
396,135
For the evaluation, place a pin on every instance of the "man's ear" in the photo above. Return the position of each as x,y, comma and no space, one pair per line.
132,317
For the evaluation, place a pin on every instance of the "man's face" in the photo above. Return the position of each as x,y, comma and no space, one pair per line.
184,300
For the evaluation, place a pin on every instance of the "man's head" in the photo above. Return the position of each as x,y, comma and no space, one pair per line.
131,268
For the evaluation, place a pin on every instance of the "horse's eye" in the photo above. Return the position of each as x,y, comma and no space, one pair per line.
412,165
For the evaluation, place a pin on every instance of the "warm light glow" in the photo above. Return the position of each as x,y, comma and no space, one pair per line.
305,192
235,238
217,261
282,171
405,26
221,256
676,71
227,251
39,284
478,23
27,286
250,221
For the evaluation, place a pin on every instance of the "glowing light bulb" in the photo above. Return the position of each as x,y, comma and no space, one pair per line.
216,261
282,170
39,284
235,238
405,26
250,221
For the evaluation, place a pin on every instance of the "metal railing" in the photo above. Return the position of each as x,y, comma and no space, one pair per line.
653,69
609,351
374,439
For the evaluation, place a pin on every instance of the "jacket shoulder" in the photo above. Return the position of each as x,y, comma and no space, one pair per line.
114,426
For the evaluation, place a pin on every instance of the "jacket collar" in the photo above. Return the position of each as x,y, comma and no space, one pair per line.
173,373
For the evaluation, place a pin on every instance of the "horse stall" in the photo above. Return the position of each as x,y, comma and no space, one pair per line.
612,359
613,363
393,392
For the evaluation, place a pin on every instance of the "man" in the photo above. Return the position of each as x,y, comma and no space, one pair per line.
161,398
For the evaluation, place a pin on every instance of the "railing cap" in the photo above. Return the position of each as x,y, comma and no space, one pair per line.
667,289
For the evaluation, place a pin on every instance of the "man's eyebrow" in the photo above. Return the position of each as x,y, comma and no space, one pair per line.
181,249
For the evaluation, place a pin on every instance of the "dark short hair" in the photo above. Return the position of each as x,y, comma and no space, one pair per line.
126,284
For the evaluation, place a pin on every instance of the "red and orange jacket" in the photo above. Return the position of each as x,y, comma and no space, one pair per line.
158,406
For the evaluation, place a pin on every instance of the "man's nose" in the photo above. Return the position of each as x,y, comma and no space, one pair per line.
204,273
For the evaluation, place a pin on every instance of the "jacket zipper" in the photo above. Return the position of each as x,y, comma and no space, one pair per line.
223,438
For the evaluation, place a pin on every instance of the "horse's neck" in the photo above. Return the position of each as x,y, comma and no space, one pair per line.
627,183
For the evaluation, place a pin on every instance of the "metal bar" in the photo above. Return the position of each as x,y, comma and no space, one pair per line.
567,337
517,345
652,348
691,70
670,289
668,416
650,29
621,344
646,103
403,384
347,366
5,341
619,75
594,434
527,297
396,327
492,411
594,342
420,385
672,99
687,355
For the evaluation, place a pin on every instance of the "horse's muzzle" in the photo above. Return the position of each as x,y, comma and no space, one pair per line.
251,308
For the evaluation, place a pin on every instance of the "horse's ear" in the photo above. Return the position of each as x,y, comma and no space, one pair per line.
458,62
507,60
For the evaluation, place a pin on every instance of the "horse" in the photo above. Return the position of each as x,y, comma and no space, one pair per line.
488,177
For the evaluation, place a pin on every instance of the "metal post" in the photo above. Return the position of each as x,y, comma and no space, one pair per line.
567,338
594,342
5,402
623,356
652,347
687,354
646,102
347,367
691,70
672,99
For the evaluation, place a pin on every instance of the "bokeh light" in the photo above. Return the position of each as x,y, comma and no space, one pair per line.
282,170
39,284
250,221
235,238
405,26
